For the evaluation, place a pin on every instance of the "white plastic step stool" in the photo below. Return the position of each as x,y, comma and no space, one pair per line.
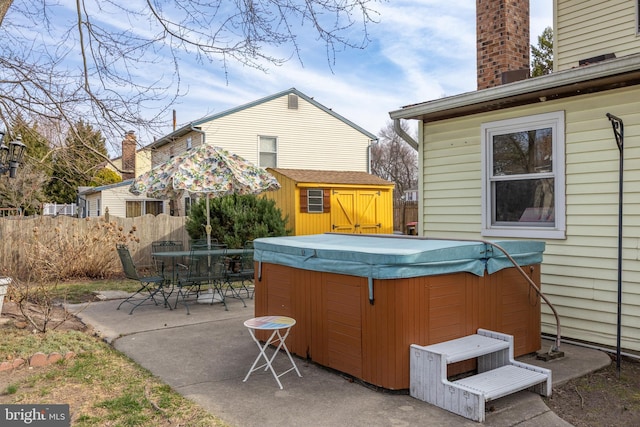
498,373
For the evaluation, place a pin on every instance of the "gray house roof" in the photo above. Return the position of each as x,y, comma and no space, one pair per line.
92,190
194,124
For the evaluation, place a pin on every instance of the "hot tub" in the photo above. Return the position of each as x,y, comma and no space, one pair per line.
360,301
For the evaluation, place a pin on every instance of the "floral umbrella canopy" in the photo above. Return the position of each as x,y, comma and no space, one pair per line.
208,170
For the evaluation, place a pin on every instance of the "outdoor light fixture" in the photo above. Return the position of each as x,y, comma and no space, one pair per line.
11,156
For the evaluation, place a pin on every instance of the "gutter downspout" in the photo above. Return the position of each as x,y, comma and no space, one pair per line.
371,142
408,139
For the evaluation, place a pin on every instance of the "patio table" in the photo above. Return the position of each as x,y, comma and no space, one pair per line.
214,253
276,324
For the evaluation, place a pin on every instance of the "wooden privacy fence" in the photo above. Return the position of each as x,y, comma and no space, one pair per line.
404,213
92,237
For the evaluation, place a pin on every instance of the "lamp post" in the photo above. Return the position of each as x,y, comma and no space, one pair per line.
11,155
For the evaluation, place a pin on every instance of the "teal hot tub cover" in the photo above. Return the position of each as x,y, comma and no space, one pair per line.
392,256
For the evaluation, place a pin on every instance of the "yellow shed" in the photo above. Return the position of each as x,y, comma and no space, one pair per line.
318,201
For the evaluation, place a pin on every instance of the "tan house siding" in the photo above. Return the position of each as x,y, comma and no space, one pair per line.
586,29
579,273
143,162
165,152
307,137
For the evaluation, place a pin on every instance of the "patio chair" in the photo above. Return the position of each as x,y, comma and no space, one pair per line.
241,272
201,271
150,286
165,267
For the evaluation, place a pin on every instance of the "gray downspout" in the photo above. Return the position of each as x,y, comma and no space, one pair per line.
371,142
409,140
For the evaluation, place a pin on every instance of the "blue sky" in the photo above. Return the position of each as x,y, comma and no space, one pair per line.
421,50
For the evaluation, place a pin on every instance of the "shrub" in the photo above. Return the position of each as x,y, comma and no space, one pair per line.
236,219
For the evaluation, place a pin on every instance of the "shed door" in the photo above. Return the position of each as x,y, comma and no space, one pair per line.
367,208
355,211
343,219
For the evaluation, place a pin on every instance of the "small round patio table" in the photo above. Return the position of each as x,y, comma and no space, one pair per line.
276,324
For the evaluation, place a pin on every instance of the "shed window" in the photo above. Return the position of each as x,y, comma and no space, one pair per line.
315,200
523,177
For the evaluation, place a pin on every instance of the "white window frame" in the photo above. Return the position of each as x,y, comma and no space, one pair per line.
555,121
260,151
317,196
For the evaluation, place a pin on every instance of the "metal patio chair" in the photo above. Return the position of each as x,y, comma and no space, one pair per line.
166,267
241,273
150,286
201,271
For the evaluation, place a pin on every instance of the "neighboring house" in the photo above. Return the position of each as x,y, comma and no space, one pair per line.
119,200
537,159
92,201
411,195
285,130
321,201
134,161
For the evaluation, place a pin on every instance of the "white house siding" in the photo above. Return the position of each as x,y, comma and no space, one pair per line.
308,137
579,274
589,28
115,199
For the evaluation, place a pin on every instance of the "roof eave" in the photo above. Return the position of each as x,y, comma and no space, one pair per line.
577,81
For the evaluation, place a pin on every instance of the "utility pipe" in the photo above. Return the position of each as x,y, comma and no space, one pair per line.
618,133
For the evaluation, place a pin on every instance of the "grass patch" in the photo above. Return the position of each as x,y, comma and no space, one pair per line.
101,385
24,343
79,291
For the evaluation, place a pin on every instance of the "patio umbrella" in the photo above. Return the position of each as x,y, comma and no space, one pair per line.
208,170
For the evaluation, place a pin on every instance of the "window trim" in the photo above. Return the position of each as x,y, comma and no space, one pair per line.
554,120
275,139
320,197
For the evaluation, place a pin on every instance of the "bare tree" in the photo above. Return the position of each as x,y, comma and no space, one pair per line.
116,64
394,160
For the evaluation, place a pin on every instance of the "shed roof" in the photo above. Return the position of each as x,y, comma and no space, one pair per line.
331,177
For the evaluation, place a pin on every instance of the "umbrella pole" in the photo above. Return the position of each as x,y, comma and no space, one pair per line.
208,227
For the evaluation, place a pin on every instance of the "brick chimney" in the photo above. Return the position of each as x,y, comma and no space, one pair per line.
502,28
129,145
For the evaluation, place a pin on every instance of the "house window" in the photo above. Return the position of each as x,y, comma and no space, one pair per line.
523,177
136,208
98,207
88,208
314,201
189,143
187,205
153,207
268,152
